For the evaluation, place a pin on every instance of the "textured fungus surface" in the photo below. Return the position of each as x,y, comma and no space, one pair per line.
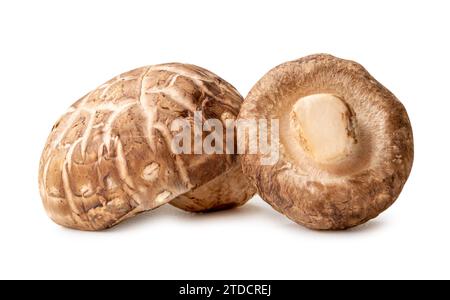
109,157
346,142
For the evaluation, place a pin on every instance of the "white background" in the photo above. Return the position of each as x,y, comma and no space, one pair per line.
53,52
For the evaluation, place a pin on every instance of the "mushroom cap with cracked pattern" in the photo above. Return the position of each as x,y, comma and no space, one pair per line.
109,157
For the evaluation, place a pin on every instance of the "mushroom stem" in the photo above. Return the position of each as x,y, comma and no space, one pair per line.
325,126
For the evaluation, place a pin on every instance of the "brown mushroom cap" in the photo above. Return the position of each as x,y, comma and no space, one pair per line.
346,143
109,157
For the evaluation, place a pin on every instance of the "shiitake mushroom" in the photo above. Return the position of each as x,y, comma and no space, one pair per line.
110,156
346,143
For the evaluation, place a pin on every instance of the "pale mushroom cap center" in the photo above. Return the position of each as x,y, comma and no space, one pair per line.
326,127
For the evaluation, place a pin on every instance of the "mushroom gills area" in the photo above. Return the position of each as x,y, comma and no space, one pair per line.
325,126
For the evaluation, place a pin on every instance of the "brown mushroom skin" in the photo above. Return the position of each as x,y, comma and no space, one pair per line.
109,157
344,194
226,191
